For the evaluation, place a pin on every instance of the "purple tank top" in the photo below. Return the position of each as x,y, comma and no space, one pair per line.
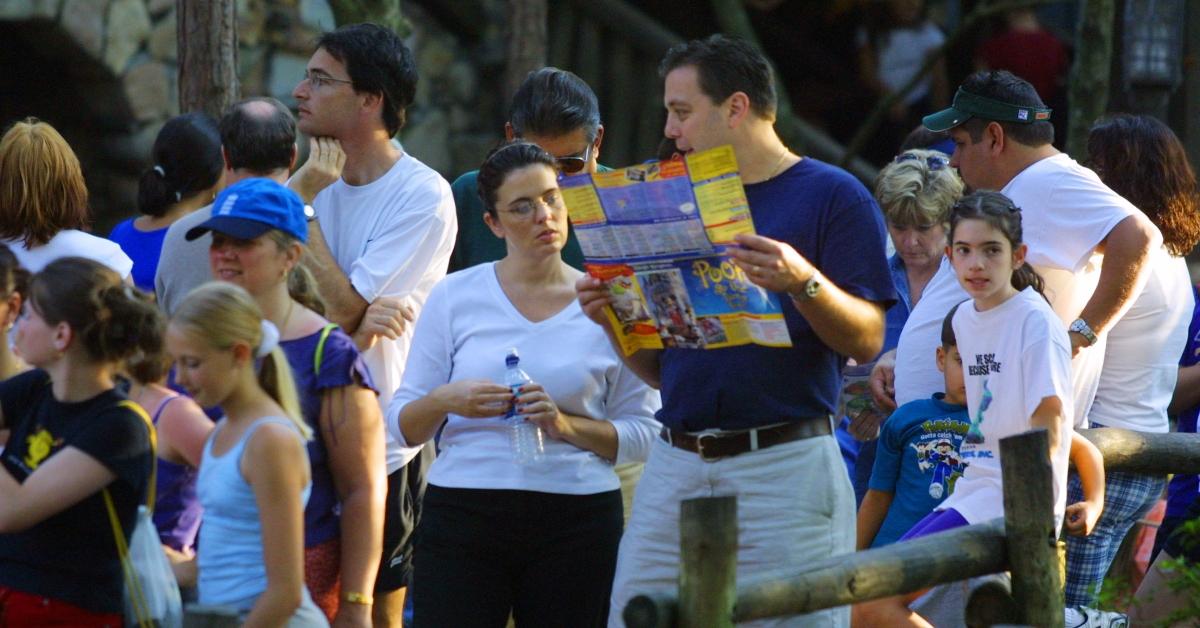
177,510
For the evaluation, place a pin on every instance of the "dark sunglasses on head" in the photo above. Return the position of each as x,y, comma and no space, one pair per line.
935,162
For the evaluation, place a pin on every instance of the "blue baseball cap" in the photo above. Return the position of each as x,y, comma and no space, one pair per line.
250,208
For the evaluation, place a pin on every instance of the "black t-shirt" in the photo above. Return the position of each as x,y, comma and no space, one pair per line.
72,556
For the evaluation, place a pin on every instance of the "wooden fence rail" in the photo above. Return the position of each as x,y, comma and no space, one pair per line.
1023,542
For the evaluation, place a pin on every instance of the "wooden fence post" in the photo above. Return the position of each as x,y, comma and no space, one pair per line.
708,562
1037,583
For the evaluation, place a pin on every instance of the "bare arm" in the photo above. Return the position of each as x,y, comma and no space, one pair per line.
352,430
1081,517
871,513
1049,416
845,323
61,481
883,381
598,437
277,475
1126,252
593,299
344,305
183,429
1187,389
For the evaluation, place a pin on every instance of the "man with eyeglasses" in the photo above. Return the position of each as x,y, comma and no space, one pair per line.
379,237
556,110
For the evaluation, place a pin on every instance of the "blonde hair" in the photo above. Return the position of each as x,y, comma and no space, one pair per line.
223,314
42,190
912,193
302,286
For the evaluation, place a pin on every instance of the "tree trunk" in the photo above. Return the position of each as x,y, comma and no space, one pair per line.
207,40
1088,89
526,42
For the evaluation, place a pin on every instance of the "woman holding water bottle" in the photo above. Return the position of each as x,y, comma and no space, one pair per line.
508,526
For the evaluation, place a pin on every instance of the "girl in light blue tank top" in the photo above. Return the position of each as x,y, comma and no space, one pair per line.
254,475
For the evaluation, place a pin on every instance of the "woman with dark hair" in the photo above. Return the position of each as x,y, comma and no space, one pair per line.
185,176
535,538
76,443
1142,160
44,201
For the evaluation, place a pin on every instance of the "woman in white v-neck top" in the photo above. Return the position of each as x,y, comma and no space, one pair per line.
497,537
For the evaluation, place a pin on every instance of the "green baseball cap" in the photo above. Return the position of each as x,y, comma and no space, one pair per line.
967,105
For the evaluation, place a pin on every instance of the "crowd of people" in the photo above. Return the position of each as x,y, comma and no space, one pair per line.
326,415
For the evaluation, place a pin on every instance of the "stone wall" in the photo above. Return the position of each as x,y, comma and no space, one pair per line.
104,73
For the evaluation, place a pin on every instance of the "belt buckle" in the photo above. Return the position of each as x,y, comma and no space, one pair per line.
700,447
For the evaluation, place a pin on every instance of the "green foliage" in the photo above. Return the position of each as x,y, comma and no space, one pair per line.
1186,575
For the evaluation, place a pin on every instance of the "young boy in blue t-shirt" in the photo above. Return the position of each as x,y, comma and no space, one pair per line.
917,461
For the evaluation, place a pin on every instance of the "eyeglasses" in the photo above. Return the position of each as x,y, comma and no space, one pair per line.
526,209
935,162
574,164
317,80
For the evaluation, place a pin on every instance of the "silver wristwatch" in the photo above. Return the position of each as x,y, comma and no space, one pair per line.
1081,327
810,290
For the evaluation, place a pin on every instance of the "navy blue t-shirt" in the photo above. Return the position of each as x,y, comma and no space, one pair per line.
1183,488
830,219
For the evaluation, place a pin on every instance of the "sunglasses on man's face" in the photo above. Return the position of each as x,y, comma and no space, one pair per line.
574,164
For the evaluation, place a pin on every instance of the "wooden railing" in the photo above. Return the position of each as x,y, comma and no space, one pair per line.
1023,542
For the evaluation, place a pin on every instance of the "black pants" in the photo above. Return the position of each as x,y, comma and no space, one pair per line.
547,558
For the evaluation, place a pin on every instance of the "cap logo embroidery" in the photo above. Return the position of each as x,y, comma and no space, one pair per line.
1023,114
227,206
1041,115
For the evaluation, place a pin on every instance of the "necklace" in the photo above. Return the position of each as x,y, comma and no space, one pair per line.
287,317
778,164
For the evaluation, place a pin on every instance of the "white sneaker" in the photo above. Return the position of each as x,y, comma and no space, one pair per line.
1084,617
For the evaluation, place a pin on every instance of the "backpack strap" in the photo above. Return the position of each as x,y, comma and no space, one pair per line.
319,354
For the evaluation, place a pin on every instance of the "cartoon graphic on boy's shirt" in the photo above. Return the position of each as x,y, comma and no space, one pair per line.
974,435
947,465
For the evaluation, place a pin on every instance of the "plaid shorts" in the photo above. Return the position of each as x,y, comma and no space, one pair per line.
1127,498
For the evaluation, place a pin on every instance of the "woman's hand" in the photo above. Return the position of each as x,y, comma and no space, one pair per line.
473,398
537,406
593,299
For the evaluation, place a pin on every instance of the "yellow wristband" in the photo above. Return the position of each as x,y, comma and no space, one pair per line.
354,597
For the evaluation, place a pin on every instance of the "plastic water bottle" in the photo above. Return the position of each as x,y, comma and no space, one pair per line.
528,441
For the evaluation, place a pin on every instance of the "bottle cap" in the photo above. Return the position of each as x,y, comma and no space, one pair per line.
512,358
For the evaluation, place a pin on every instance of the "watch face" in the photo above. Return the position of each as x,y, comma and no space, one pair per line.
310,212
812,288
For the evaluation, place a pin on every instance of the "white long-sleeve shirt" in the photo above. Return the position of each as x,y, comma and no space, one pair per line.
465,331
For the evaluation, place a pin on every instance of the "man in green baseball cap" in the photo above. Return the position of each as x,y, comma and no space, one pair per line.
1002,141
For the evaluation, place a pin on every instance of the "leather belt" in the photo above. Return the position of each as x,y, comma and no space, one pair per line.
712,446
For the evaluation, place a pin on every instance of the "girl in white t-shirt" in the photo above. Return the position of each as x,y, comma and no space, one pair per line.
1017,368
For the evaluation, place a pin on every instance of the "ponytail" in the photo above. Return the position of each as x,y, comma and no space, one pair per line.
302,287
1024,276
301,284
155,194
275,378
